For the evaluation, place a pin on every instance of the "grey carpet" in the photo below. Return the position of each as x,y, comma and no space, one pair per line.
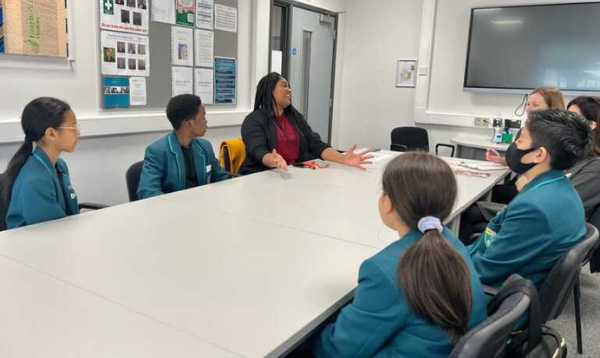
590,322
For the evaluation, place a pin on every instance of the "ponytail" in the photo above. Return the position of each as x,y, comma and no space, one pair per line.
433,276
12,170
39,115
437,285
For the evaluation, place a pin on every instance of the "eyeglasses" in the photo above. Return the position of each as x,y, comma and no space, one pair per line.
76,127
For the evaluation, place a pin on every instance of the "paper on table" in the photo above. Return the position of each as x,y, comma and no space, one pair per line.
163,11
225,18
137,91
182,49
481,165
204,14
204,81
182,80
205,45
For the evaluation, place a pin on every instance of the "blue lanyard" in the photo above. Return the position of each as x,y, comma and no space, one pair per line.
547,182
43,163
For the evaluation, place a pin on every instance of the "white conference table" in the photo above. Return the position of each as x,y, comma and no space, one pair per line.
473,147
247,267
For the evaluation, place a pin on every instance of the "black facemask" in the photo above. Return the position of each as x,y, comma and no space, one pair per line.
514,156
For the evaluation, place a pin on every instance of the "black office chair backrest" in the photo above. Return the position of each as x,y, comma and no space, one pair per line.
409,139
488,339
133,179
226,162
562,278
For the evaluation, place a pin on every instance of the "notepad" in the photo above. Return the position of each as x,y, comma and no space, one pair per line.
481,165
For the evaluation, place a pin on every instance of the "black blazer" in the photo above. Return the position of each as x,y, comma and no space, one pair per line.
260,137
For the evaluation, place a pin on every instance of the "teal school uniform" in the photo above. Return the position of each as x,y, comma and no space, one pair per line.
38,194
543,221
164,167
379,322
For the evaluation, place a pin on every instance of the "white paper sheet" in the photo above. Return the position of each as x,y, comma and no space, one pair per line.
124,54
182,80
225,18
163,11
204,14
204,85
137,94
124,15
205,48
182,46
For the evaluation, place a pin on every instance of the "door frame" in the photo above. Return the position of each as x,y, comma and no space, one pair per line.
290,4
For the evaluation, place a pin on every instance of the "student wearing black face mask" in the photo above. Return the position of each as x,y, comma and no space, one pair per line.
547,216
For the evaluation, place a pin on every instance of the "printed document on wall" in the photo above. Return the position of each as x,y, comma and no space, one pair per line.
184,12
182,46
204,14
204,84
163,11
182,80
137,87
225,18
205,48
124,54
124,15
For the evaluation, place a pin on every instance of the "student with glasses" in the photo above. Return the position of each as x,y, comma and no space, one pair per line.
36,185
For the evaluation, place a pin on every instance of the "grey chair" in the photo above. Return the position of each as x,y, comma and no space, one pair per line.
564,278
489,338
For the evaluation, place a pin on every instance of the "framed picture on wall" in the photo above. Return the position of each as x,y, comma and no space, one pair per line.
406,72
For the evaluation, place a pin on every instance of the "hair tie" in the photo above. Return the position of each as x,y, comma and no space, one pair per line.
28,140
430,223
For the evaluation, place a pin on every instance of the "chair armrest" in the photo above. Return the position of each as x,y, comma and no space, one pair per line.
398,148
490,290
92,206
445,146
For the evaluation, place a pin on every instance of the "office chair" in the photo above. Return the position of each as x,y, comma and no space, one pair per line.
132,177
232,154
406,139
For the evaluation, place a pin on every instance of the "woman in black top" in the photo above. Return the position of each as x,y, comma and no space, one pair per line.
276,126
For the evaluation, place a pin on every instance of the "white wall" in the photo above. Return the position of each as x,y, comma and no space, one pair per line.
376,35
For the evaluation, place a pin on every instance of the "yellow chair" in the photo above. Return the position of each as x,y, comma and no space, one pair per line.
232,153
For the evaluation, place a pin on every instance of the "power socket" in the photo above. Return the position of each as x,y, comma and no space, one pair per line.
481,122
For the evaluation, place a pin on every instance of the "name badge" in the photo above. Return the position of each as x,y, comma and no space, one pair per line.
208,168
73,196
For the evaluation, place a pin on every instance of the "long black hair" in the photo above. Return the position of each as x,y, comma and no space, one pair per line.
264,100
39,115
435,279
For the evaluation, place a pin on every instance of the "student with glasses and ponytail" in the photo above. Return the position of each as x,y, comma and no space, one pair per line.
36,184
419,295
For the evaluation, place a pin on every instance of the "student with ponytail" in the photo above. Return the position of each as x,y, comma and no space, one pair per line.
36,185
419,295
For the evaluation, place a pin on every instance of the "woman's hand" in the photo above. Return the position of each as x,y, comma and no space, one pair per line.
493,156
275,160
357,160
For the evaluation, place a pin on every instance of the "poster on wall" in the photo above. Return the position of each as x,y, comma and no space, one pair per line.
163,11
33,27
124,54
124,15
115,92
182,80
204,14
204,48
204,84
225,18
185,12
138,95
225,80
182,46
